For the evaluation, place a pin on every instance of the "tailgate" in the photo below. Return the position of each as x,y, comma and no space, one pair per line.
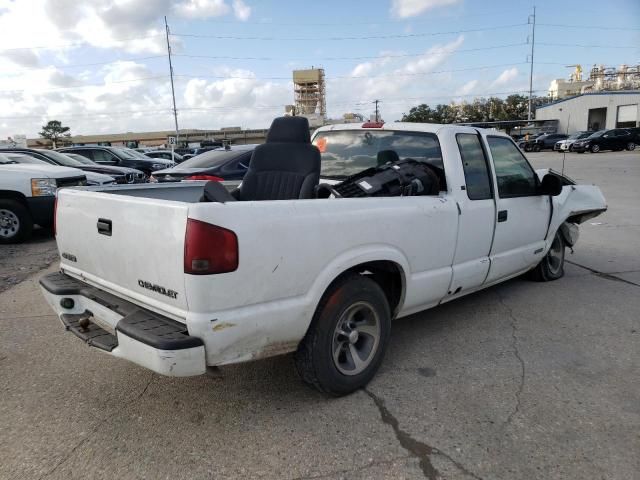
130,246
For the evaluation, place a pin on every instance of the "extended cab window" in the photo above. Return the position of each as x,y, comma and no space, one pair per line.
347,152
515,176
474,163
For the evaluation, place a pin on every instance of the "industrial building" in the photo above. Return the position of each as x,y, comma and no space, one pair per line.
600,79
594,111
309,96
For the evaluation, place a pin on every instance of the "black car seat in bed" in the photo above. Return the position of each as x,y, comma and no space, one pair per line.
286,167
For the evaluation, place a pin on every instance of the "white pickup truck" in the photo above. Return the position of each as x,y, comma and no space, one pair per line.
27,195
155,275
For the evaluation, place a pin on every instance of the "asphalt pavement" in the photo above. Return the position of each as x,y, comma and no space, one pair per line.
524,380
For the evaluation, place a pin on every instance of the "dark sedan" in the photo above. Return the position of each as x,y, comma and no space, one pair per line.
221,164
166,154
121,157
119,174
544,142
615,139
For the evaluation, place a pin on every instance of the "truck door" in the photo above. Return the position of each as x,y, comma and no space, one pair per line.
476,221
523,213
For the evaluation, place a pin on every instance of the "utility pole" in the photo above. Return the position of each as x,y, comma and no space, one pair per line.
376,102
173,93
532,20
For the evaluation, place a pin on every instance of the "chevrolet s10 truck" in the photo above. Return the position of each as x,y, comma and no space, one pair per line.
181,277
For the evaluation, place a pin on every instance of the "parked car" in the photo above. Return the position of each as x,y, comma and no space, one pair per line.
121,174
544,142
27,195
524,141
122,157
615,139
567,145
220,164
200,150
52,157
166,154
275,267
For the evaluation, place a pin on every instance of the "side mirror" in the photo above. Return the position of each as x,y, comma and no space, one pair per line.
551,185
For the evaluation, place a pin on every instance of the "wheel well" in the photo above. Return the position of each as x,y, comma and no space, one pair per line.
388,275
11,195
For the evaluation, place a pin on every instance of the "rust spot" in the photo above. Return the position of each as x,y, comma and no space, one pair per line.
221,326
273,349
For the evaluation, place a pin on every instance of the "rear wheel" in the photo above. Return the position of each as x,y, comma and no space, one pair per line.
631,146
595,148
551,267
16,223
346,341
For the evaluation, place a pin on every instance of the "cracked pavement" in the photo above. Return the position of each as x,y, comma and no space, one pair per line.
523,380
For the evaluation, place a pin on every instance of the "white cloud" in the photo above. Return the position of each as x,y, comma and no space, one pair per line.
201,8
241,10
467,88
411,8
505,77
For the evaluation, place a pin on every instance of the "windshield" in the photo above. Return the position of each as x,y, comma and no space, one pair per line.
136,154
347,152
212,158
578,135
597,134
127,153
62,159
19,158
80,158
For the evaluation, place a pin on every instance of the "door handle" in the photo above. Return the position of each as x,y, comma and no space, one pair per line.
502,216
104,227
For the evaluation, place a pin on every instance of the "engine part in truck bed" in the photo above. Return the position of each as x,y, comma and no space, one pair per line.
404,178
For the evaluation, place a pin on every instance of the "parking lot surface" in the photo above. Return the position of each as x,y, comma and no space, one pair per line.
523,380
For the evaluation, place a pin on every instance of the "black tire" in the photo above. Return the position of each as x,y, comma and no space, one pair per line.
315,356
595,148
536,148
527,148
571,148
631,146
551,267
16,223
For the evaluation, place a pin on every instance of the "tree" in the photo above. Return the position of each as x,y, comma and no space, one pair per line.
55,132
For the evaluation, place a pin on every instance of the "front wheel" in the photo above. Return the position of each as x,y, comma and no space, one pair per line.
536,148
16,223
631,146
595,148
551,267
346,341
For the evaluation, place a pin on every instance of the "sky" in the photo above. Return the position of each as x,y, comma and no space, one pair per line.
100,66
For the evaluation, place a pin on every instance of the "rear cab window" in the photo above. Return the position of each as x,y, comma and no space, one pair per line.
348,152
476,169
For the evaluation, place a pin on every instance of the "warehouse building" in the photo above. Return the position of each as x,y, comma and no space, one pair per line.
594,111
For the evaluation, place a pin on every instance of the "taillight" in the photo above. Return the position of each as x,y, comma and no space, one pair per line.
55,214
209,249
211,178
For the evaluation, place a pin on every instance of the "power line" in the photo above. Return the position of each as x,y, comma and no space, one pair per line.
86,85
586,46
354,103
368,37
588,27
371,22
75,44
335,77
79,65
362,57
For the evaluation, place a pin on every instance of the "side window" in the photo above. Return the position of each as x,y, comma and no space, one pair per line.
474,163
515,176
102,156
84,153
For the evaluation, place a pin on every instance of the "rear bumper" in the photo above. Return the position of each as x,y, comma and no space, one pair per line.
123,329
